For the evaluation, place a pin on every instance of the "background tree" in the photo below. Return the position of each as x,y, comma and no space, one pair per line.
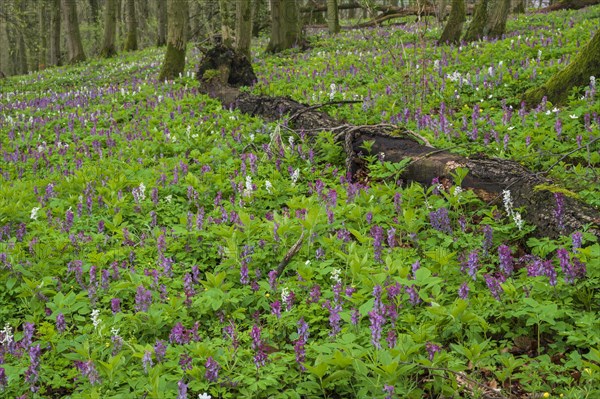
243,26
227,37
74,45
110,29
489,19
333,20
496,25
577,73
174,62
453,29
131,43
478,22
55,22
285,25
161,14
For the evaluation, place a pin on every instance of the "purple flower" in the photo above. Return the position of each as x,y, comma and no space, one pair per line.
506,260
369,217
276,308
473,264
391,339
115,305
576,239
143,299
88,370
28,331
212,370
440,220
260,357
32,372
559,211
273,280
389,391
147,361
391,237
182,390
160,350
488,234
413,295
60,323
493,284
355,317
3,379
315,294
179,335
334,317
185,361
377,234
571,269
463,291
432,349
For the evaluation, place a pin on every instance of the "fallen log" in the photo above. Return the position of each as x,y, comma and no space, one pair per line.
568,5
487,177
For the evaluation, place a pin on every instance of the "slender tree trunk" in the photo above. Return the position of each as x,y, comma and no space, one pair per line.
333,21
226,23
43,35
478,22
453,29
55,57
5,59
441,11
75,47
285,25
577,73
110,29
174,62
243,26
496,25
161,10
21,55
131,40
519,7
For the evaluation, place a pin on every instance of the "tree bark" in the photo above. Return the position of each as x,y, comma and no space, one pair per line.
43,35
475,30
577,73
519,7
5,60
55,56
22,68
161,10
174,62
453,29
496,25
227,37
333,21
75,47
285,26
243,26
131,40
110,29
569,5
487,177
94,10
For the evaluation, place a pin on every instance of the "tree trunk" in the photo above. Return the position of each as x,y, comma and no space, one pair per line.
577,73
441,10
487,177
226,23
496,25
5,60
55,57
333,21
243,26
131,40
94,10
21,54
569,5
478,23
43,35
110,29
285,26
519,7
74,45
453,29
174,62
161,10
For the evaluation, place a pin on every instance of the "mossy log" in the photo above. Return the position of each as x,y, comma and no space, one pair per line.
569,5
577,73
487,177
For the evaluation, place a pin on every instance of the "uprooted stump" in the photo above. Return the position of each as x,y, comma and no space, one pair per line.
231,67
487,177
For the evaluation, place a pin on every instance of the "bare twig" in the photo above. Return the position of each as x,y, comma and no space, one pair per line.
290,254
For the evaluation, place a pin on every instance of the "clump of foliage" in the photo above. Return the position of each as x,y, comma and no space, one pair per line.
142,228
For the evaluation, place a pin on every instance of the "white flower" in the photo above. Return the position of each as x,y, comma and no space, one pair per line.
295,176
204,396
285,294
335,276
7,336
573,116
168,198
291,141
507,201
457,191
114,331
518,221
593,81
96,318
34,213
268,186
555,109
249,188
510,128
539,54
436,64
332,92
